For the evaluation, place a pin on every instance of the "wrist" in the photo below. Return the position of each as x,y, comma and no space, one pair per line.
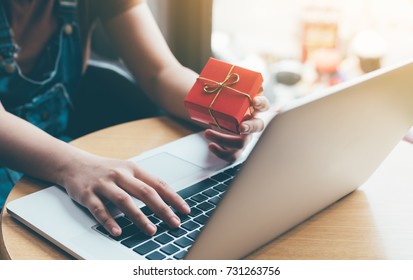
73,164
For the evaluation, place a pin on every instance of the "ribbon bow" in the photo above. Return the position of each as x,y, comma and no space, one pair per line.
230,80
215,88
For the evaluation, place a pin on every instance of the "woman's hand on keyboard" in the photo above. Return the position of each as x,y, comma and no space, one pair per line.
89,179
229,147
94,181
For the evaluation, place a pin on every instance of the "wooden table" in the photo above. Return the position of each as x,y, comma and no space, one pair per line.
374,222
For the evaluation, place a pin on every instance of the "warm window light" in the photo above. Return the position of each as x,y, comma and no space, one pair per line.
274,27
352,38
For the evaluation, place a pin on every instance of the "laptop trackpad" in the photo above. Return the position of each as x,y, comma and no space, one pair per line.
168,167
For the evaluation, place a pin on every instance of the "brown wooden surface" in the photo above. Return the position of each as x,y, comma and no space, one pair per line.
374,222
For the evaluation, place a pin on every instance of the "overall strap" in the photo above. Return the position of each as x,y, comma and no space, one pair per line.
67,10
68,14
8,49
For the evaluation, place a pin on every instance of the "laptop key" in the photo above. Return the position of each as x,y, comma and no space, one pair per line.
210,192
154,220
194,212
164,238
146,210
182,217
177,232
135,240
232,171
146,247
162,227
156,256
170,249
123,221
196,188
180,255
193,234
102,230
190,225
183,242
214,200
126,232
201,219
190,202
228,182
221,187
209,213
199,197
205,206
221,177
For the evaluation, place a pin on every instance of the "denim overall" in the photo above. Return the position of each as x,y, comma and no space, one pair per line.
45,101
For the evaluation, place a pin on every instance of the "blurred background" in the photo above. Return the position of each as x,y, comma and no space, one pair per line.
300,46
306,45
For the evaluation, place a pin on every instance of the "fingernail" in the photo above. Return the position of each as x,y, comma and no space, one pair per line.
257,101
150,229
116,231
245,128
174,221
186,208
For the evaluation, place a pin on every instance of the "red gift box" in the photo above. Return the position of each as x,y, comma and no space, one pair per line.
222,95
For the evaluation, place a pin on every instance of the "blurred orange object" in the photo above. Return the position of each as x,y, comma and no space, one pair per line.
326,61
319,28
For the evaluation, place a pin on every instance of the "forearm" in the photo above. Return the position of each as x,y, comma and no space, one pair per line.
26,148
89,179
171,87
147,55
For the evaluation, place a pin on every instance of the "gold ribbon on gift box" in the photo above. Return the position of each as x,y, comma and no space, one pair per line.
216,87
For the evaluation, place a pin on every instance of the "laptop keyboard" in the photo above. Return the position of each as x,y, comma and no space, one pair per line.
174,243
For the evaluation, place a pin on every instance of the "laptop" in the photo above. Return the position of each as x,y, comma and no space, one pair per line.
312,153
